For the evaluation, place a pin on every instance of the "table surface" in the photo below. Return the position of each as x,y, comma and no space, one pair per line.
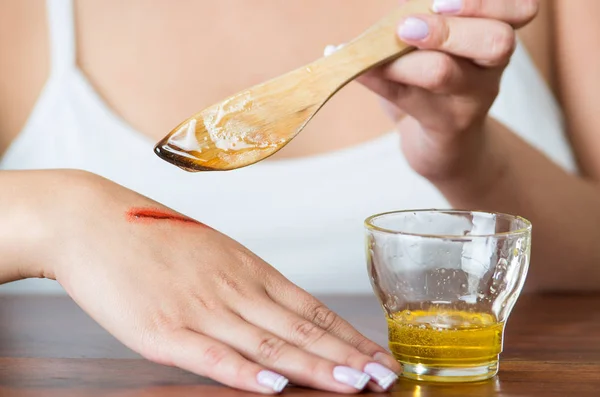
50,347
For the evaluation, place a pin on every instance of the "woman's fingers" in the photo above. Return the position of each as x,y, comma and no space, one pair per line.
207,357
306,306
434,112
431,70
486,42
268,350
300,332
422,84
514,12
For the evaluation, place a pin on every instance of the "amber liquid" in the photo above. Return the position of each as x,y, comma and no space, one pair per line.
445,339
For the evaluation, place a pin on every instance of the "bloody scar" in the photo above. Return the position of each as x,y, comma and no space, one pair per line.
154,214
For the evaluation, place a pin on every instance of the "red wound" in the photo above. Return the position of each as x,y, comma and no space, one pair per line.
153,214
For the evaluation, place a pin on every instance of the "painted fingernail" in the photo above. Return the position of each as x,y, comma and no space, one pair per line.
447,6
351,377
380,374
272,380
413,29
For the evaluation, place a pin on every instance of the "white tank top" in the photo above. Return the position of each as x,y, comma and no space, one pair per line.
303,216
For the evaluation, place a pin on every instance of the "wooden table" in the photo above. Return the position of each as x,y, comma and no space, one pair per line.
49,347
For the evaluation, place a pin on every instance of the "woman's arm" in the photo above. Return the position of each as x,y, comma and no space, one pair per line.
443,94
577,65
564,209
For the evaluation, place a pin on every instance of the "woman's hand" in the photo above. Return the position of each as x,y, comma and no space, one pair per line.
441,95
182,294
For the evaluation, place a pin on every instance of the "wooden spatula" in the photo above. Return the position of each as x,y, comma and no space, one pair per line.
256,123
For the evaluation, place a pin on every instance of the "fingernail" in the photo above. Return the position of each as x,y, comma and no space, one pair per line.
447,6
380,374
272,380
413,29
351,377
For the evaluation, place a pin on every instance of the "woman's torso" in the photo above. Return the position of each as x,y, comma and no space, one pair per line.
142,67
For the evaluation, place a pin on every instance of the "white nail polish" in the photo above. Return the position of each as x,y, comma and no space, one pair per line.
351,377
384,376
272,380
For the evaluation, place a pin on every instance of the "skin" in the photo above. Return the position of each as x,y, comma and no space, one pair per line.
169,290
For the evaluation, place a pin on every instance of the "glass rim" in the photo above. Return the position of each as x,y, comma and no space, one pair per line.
524,230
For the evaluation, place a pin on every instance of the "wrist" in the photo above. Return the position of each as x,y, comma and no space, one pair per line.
32,206
474,184
17,244
21,229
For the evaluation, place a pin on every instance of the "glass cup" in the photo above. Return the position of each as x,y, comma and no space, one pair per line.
447,281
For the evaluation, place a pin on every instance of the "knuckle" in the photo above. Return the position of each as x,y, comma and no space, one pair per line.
245,257
252,264
213,356
502,43
229,283
206,303
306,333
363,344
441,73
443,37
270,349
323,317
